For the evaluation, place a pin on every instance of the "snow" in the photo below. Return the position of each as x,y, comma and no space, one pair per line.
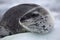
52,5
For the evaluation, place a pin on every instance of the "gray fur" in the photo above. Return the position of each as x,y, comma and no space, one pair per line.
10,25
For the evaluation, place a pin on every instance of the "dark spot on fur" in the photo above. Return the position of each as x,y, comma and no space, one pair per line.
49,25
41,18
40,22
43,26
10,33
46,17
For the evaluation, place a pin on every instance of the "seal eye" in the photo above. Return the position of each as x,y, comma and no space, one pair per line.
34,15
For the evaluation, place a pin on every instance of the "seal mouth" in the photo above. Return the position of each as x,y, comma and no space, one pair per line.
36,21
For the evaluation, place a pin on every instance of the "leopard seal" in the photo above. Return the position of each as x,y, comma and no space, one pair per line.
27,18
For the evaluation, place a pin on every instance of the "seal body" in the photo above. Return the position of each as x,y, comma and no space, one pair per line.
27,18
10,20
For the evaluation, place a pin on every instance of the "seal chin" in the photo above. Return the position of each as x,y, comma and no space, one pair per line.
37,21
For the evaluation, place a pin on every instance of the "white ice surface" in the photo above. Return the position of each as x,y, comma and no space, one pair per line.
53,5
